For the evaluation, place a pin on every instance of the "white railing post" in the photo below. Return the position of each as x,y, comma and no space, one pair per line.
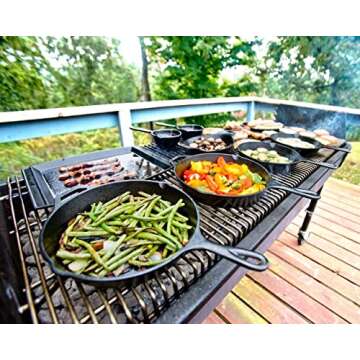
126,135
250,111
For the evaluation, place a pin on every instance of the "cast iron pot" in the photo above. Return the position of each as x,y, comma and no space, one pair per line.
65,211
282,150
181,163
187,130
306,152
165,139
226,137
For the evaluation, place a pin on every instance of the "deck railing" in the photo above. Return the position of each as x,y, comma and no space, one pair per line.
20,125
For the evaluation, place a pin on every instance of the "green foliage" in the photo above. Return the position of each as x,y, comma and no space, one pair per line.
191,67
313,68
56,72
23,70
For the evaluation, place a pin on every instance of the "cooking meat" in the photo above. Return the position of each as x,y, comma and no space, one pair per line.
208,144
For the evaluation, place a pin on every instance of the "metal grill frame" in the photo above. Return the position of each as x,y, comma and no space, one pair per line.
199,299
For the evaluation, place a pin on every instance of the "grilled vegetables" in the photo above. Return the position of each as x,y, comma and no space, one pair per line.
208,144
265,155
222,178
129,231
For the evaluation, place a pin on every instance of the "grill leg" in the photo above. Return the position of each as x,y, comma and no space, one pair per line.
303,234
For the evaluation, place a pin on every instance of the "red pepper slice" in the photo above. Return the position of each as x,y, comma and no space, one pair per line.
211,183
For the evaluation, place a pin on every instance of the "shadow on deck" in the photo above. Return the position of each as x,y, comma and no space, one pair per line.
317,282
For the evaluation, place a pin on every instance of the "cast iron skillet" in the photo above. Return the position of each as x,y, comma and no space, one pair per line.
282,150
226,137
306,152
181,163
163,138
187,130
63,212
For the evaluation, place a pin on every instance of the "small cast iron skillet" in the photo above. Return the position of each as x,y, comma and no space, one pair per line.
306,152
187,130
225,137
282,150
163,138
182,163
65,211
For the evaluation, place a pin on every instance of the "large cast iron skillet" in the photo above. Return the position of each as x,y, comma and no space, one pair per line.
163,138
306,152
57,222
187,130
226,137
181,163
282,150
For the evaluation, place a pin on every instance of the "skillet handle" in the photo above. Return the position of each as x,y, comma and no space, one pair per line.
320,163
238,256
166,125
59,198
176,158
348,151
140,129
309,194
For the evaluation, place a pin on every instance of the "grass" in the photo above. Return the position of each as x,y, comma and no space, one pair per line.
350,170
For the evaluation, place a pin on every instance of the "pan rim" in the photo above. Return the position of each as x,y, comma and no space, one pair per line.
298,155
227,197
129,275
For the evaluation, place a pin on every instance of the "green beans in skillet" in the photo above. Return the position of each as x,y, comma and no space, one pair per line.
129,231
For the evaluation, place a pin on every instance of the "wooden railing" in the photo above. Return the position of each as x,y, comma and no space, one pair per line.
19,125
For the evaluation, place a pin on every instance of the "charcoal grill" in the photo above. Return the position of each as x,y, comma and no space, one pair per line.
186,292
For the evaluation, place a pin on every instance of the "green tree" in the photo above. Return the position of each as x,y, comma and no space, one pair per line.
89,71
313,68
23,74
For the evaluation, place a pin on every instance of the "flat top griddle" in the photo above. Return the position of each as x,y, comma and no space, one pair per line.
43,181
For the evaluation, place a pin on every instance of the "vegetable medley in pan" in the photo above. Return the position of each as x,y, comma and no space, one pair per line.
223,178
129,231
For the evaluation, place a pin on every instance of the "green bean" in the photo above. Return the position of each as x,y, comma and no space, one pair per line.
68,255
93,253
171,216
169,236
88,233
180,225
111,252
152,251
146,263
149,236
121,261
151,206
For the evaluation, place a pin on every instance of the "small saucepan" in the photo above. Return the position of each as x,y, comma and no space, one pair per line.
224,136
187,130
163,138
293,156
305,151
182,163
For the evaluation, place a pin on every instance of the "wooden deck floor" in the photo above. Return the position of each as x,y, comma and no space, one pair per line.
317,282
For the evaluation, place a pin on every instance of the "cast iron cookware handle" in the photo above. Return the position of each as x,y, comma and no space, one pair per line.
337,148
176,158
259,261
59,198
166,125
320,163
298,191
140,129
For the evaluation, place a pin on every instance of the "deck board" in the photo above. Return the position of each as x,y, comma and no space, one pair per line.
317,282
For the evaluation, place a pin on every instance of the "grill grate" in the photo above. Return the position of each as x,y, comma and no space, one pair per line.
50,299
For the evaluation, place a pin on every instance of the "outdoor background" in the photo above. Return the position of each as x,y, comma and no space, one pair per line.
47,72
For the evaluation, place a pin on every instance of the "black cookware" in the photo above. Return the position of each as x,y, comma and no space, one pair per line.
187,130
305,152
65,211
182,163
224,136
282,150
163,138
